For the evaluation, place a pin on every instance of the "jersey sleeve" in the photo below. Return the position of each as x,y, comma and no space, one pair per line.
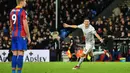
93,30
80,26
24,15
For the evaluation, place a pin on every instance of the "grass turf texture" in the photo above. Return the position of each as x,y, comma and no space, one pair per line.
66,67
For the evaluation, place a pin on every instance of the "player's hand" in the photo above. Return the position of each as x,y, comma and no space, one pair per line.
29,40
65,25
101,40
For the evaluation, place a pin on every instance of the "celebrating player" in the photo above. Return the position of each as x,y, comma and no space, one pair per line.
89,33
20,34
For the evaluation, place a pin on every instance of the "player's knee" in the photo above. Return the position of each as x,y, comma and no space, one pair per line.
14,52
20,52
13,68
19,68
91,54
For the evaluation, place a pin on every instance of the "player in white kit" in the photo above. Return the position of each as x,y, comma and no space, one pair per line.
89,33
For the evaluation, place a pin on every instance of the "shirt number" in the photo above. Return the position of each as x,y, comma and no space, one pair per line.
14,18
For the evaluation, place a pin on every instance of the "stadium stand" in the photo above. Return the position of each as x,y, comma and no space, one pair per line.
75,11
41,15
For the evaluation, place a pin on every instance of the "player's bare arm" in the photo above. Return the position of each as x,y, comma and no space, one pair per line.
10,27
101,40
27,30
70,26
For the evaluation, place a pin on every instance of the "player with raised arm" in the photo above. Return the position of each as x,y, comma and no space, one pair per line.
89,33
20,35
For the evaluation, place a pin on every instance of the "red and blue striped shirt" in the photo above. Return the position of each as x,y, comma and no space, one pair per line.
17,15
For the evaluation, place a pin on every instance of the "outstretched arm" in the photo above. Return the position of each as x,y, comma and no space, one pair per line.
71,26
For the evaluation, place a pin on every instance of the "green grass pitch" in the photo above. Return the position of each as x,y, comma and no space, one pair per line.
66,67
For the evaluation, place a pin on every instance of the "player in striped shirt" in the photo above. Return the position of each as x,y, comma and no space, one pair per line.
20,34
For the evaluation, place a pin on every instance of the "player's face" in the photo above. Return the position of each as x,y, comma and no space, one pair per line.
24,3
86,22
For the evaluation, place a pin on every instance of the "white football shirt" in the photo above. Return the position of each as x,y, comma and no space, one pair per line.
88,33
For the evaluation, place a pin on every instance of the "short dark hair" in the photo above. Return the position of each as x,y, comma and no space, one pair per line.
86,18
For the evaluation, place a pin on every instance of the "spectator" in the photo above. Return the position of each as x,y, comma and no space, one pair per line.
105,32
128,25
39,18
116,11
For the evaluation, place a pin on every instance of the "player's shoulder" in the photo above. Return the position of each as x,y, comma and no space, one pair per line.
81,24
17,10
91,27
24,11
12,10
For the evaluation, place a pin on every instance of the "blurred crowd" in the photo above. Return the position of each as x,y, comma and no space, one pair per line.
41,20
116,26
74,11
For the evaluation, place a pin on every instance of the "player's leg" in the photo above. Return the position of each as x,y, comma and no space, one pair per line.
80,61
20,60
14,61
98,52
14,57
87,49
101,52
22,45
107,53
92,55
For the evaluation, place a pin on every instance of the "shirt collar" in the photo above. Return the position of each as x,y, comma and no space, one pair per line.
18,6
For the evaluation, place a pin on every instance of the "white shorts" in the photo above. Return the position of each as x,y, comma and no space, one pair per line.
88,48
